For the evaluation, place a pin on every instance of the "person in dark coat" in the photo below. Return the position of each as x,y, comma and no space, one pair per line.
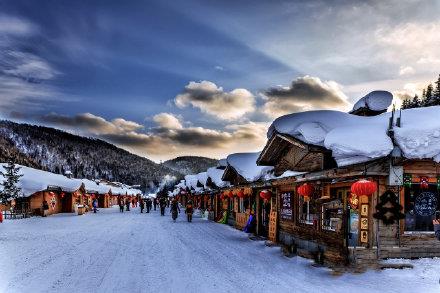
141,205
189,209
95,205
121,205
149,204
45,208
127,205
155,203
175,210
163,205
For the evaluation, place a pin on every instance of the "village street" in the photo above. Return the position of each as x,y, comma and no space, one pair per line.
133,252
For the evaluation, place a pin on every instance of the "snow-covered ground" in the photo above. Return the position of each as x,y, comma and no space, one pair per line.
133,252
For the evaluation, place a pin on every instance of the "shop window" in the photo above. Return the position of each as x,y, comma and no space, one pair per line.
333,210
307,211
422,206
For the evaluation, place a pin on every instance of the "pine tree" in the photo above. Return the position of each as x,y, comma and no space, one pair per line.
415,103
436,93
11,178
428,101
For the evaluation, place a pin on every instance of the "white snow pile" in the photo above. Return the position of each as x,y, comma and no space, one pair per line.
419,134
246,165
191,182
216,177
222,163
376,101
202,177
355,139
34,180
93,187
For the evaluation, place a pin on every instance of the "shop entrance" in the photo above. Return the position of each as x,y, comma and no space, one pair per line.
66,203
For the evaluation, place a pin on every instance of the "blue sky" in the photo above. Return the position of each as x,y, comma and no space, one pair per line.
168,78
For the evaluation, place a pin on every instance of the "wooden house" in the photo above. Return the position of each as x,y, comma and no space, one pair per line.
242,199
318,214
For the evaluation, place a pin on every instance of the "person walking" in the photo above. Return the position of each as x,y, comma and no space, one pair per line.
95,205
155,203
127,205
149,203
163,205
45,208
175,210
189,209
141,205
121,205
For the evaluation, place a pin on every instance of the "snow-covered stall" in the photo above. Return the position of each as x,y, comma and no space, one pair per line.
397,153
61,193
243,199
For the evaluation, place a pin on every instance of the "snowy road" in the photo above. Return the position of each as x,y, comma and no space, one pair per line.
133,252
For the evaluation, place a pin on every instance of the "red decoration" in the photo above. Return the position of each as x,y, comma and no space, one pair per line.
306,190
241,194
266,194
223,196
230,194
424,183
363,187
62,194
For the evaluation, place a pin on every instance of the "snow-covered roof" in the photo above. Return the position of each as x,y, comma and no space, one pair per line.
376,101
202,177
222,163
92,186
216,176
34,180
355,139
246,165
191,181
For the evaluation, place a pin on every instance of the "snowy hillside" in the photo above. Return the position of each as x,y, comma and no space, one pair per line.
56,151
190,164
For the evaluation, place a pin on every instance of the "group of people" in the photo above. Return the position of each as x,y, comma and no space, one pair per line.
162,202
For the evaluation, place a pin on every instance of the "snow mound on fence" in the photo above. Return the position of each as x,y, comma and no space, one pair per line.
246,165
376,101
355,139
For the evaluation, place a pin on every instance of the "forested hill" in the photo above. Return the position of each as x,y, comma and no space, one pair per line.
56,151
190,164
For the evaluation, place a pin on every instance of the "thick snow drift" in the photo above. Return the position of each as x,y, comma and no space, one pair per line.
216,176
34,180
376,101
354,139
246,165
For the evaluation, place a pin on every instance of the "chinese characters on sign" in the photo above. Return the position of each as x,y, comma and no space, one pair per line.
286,206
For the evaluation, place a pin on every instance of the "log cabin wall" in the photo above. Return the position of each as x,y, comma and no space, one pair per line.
413,236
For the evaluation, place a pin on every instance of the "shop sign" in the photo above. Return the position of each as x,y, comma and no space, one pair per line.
286,206
425,204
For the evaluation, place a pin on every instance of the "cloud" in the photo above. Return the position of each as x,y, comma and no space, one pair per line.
11,25
213,100
168,139
167,120
91,124
22,72
304,93
406,70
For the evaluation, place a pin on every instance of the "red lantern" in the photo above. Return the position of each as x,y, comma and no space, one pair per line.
230,194
364,187
306,190
222,196
62,194
424,183
265,194
241,194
